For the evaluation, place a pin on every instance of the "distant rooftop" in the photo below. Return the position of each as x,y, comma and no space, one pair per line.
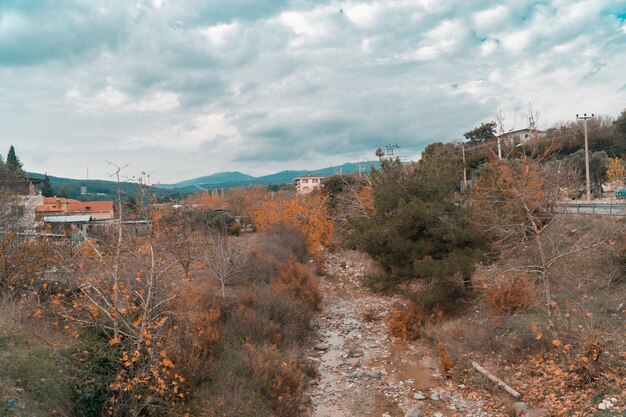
309,175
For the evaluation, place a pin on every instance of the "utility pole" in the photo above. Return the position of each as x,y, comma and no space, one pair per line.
584,118
499,138
465,167
500,120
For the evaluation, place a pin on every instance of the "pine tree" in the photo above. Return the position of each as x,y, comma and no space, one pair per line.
46,190
420,229
13,162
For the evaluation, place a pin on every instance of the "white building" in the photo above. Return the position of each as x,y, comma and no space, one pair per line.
515,137
308,183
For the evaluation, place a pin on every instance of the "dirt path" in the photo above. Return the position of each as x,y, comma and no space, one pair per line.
363,371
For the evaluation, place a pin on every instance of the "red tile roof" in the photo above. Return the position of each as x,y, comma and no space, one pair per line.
90,206
53,204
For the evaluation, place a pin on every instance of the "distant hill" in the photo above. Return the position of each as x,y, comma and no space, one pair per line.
282,177
106,190
98,189
220,177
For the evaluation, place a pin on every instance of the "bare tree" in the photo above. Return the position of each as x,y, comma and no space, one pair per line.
224,257
515,201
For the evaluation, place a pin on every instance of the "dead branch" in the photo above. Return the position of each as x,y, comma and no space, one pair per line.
495,379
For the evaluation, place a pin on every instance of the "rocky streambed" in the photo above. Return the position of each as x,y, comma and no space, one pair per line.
363,370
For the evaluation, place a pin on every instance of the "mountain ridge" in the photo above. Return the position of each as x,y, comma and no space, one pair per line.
105,189
280,177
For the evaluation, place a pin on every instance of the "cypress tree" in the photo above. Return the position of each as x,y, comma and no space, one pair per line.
13,162
46,190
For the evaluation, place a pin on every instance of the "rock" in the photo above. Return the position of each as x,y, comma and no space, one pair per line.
536,412
374,373
520,408
354,362
435,396
386,415
355,353
607,404
419,396
321,347
438,414
413,413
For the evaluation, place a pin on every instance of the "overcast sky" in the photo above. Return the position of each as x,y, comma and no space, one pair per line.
184,88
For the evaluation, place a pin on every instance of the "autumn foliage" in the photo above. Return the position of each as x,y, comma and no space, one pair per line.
307,214
616,172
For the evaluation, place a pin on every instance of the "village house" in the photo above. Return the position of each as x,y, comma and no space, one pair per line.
516,137
20,206
55,206
308,183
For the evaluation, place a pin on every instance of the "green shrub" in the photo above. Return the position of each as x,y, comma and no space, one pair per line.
93,373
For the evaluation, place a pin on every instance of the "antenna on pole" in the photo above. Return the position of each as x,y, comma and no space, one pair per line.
87,172
391,148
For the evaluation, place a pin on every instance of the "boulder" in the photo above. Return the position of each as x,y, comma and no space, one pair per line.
419,396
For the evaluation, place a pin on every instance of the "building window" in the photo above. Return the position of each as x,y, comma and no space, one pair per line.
305,181
305,188
314,181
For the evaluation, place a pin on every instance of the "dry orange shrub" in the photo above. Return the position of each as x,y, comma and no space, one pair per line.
366,199
406,323
280,376
206,200
510,293
195,332
444,362
307,214
245,201
295,279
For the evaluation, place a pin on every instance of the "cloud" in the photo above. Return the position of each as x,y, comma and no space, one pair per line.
188,87
111,99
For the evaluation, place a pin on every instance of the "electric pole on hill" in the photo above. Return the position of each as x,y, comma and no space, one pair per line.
584,118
